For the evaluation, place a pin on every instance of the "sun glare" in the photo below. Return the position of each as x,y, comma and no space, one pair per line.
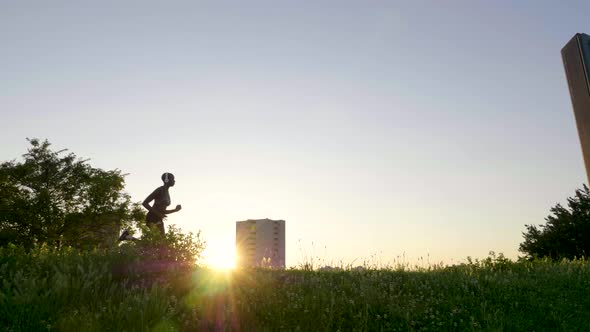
221,260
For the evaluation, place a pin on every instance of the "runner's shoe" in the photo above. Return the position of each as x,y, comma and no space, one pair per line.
124,235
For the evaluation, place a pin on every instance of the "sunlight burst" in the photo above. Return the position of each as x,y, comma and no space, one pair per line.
221,260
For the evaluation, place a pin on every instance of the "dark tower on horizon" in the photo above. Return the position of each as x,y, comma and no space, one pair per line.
576,61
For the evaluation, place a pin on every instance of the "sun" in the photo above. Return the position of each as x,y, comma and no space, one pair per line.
221,259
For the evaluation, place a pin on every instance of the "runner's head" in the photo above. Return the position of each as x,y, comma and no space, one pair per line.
168,179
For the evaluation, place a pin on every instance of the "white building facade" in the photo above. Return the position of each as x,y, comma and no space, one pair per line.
260,242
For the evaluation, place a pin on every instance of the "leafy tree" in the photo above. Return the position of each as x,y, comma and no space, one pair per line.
566,233
53,197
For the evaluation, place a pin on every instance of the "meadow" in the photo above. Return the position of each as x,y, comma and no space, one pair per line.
46,289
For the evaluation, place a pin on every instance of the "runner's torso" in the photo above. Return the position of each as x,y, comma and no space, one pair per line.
161,202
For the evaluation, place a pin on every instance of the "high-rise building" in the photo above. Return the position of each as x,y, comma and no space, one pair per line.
260,242
576,60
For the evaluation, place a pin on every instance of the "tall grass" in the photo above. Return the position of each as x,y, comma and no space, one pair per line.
68,290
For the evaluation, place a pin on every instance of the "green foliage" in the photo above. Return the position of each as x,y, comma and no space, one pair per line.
71,290
174,246
116,289
55,198
566,233
45,288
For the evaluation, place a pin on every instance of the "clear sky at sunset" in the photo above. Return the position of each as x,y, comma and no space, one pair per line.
376,129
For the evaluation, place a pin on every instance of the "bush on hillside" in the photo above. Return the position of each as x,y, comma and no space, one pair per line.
566,233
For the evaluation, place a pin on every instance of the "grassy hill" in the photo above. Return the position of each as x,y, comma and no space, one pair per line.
68,290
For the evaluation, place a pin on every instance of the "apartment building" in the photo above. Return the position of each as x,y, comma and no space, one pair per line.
260,242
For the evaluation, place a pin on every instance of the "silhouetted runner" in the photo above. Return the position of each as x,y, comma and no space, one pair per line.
157,212
161,197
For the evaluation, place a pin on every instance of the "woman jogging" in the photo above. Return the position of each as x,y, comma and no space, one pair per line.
157,212
161,197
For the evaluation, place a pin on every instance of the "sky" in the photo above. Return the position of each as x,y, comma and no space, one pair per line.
381,131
